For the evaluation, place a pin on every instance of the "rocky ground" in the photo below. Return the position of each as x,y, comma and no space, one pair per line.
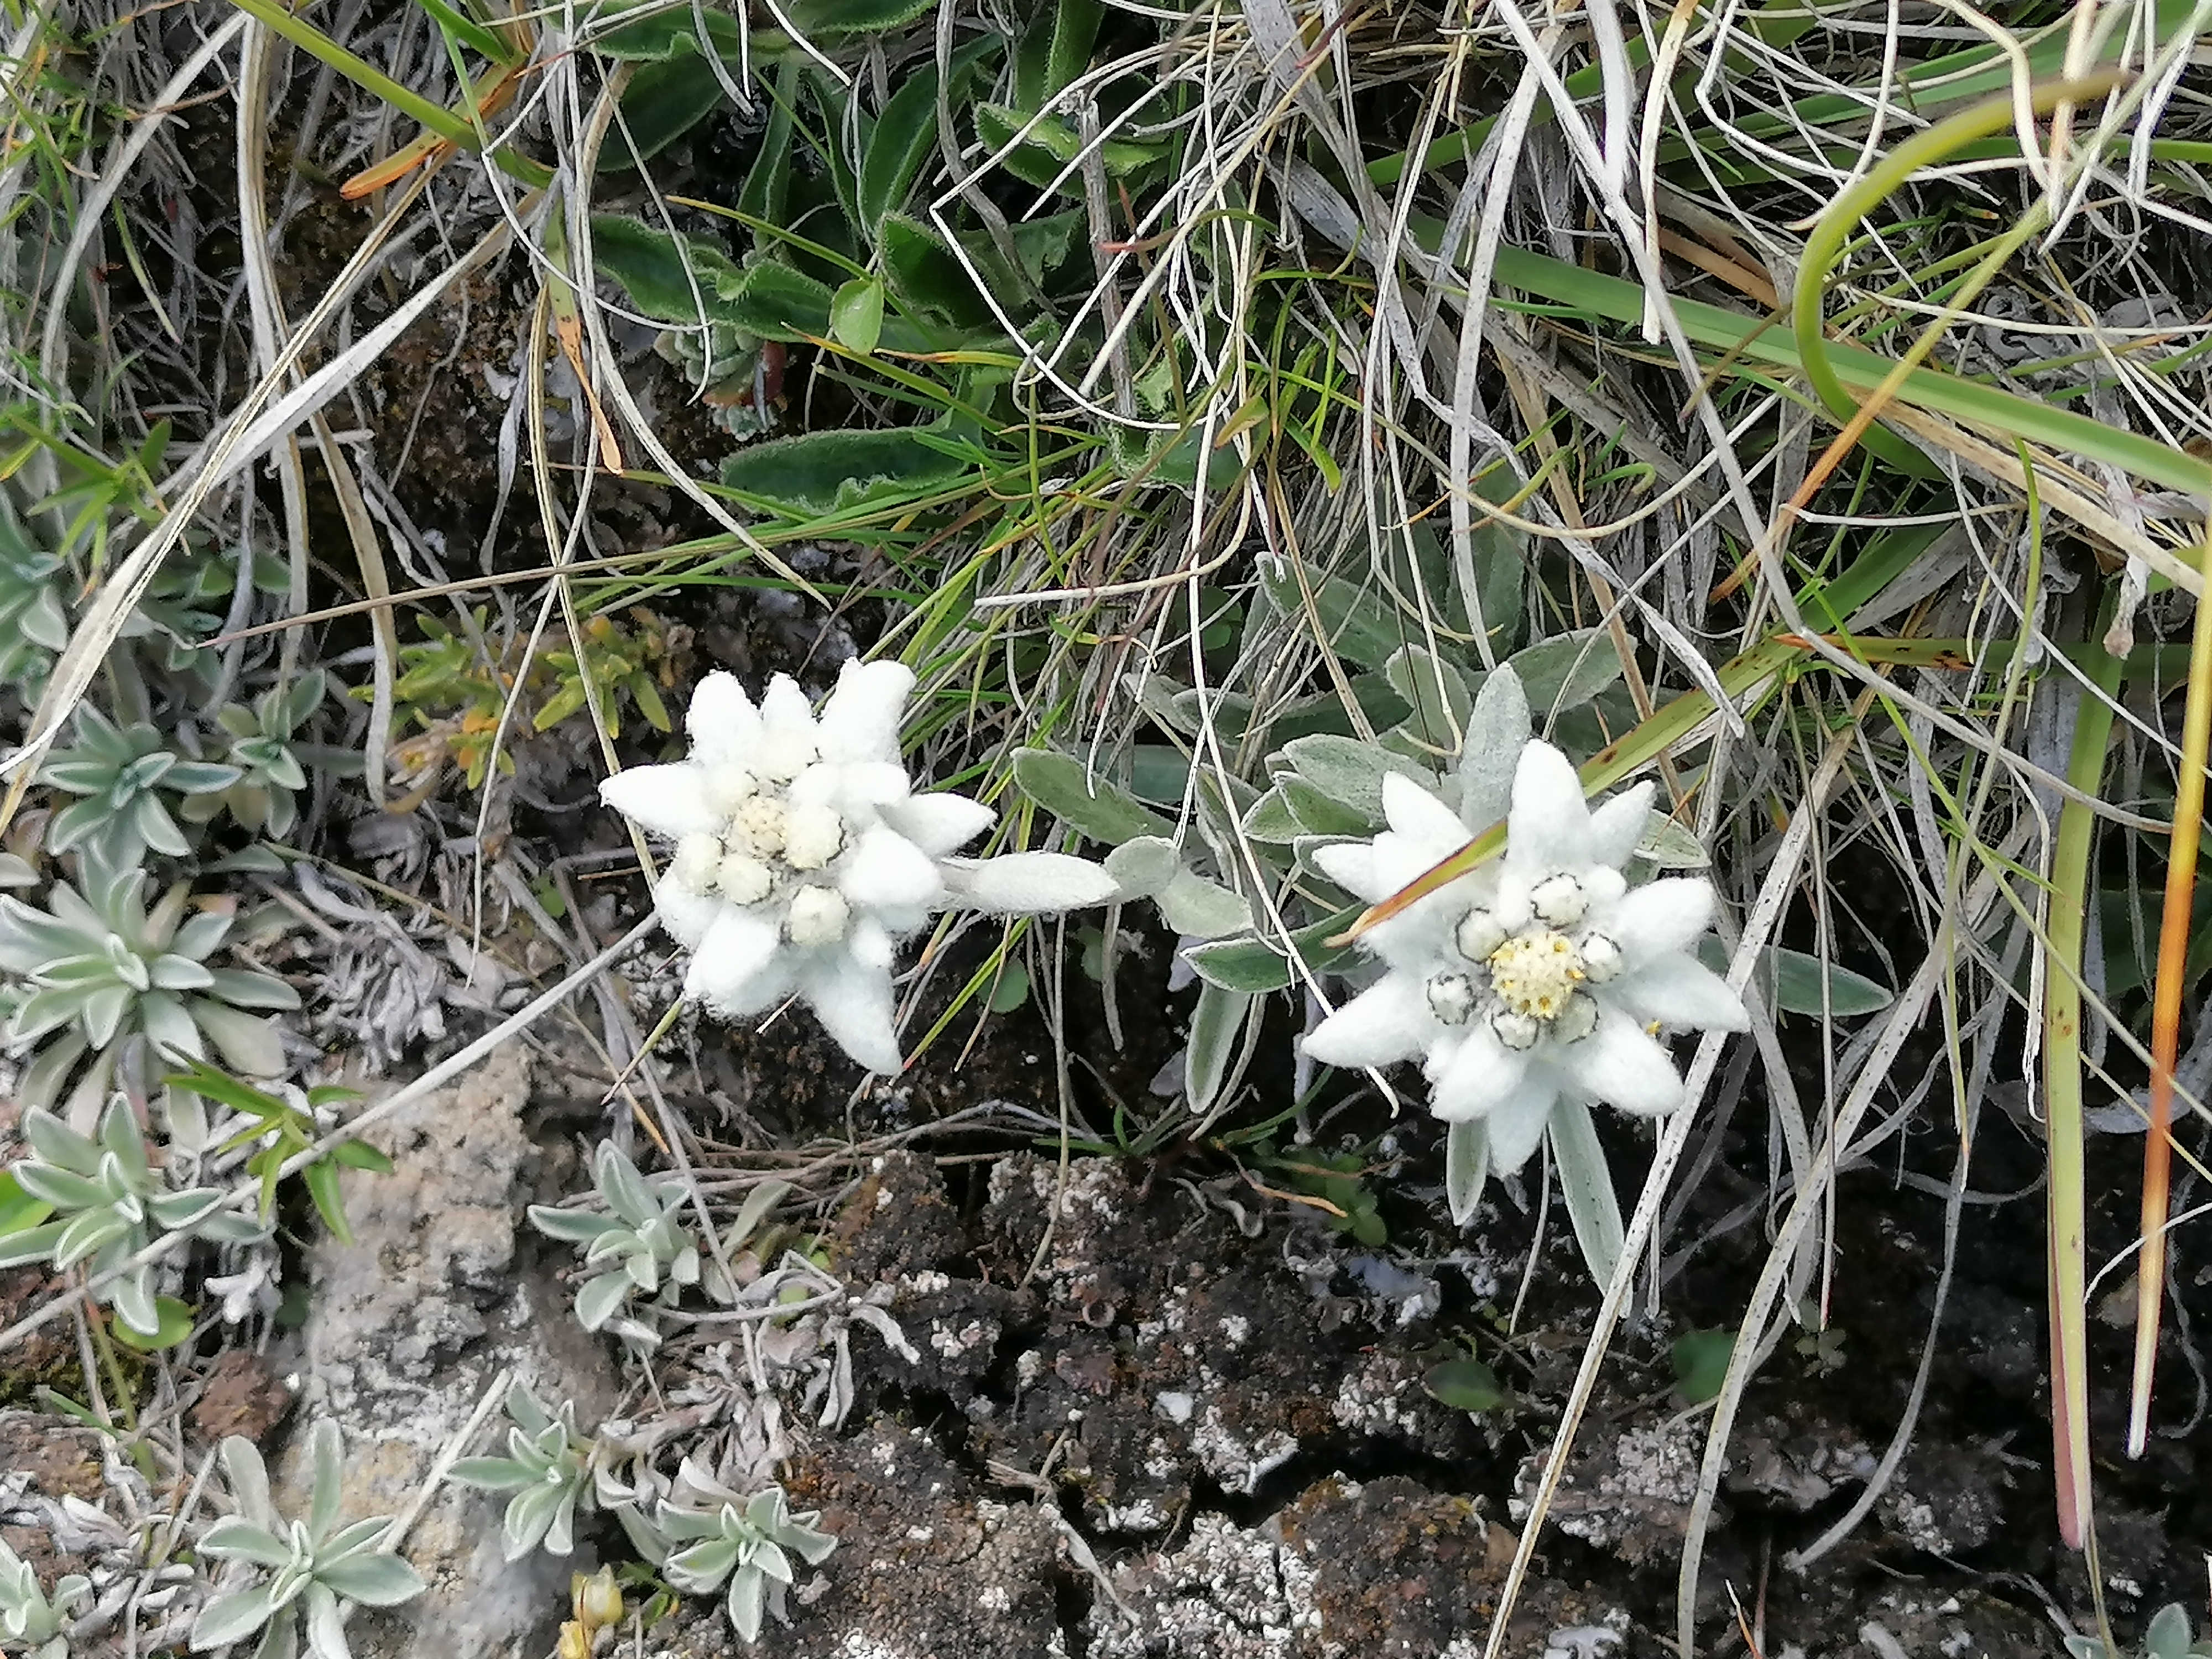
1148,1411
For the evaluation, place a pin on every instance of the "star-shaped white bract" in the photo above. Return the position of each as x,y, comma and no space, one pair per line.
802,856
1539,975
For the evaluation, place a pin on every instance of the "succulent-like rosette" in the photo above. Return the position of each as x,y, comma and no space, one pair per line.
802,856
1543,975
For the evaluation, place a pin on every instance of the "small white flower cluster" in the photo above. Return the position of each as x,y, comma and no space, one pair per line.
1542,974
802,856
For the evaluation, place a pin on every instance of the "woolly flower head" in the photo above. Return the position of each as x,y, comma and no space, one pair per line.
802,855
1542,974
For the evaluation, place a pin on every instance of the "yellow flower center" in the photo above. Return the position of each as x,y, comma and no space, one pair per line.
1535,973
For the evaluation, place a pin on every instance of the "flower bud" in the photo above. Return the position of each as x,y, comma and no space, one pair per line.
599,1598
817,916
693,866
1559,900
1451,998
812,836
744,879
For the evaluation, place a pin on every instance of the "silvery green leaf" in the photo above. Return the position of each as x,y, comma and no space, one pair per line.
329,1472
85,1234
1567,670
1216,1032
235,1535
326,1638
527,1518
1498,727
1272,821
244,989
700,1568
245,1041
178,1212
133,1297
1436,690
231,1618
59,1188
1322,814
769,1561
56,1143
1199,908
1349,772
353,1538
758,1202
1094,807
1250,965
574,1226
622,1186
1592,1205
597,1299
248,1480
748,1595
280,1640
493,1473
32,1244
1670,845
1467,1167
1799,982
1143,865
523,1411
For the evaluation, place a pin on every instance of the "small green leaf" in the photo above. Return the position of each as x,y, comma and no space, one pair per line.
905,137
1217,1030
1701,1363
1440,715
360,1155
172,1325
1593,1207
1567,670
1466,1385
1467,1167
856,314
322,1179
1199,908
19,1211
1094,807
1797,986
1012,989
824,471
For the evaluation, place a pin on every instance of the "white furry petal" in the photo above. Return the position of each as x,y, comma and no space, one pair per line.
938,823
727,962
1618,825
1388,1022
1350,866
1517,1122
1620,1064
663,800
1418,815
722,722
784,707
1484,1072
685,916
1661,917
1681,992
860,721
886,868
854,1002
1549,825
1029,884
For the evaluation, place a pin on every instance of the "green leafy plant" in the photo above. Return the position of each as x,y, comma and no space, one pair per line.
651,1252
285,1131
718,1535
98,969
30,1619
120,775
34,615
547,1467
312,1564
2166,1637
272,765
111,1203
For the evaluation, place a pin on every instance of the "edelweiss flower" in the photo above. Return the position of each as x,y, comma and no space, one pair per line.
1542,974
802,857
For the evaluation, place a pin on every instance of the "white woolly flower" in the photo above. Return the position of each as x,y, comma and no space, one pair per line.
1542,974
801,856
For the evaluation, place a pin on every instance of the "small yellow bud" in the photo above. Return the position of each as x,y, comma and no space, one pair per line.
599,1598
574,1643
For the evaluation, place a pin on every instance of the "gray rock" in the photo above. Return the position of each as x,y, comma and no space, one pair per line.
409,1328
